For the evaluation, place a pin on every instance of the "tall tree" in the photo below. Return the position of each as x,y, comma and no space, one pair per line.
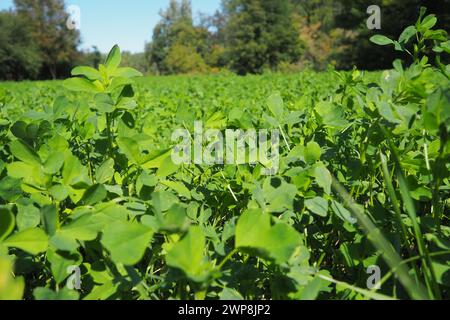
57,43
19,54
176,34
317,11
314,20
259,34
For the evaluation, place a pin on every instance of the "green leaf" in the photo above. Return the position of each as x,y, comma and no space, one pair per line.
64,243
60,262
216,121
50,219
156,159
10,188
126,241
126,104
407,34
119,83
313,288
174,220
381,40
442,273
188,255
81,84
318,206
54,163
20,170
428,22
437,110
228,294
94,195
6,222
105,172
28,216
323,178
111,212
331,115
85,228
114,58
74,173
59,192
254,233
179,187
33,241
103,103
103,292
276,106
145,180
88,72
127,73
167,168
279,195
11,288
446,47
25,153
342,213
398,46
49,294
130,148
163,200
312,152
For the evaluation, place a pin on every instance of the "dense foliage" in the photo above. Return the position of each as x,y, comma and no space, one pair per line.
243,36
261,34
37,42
19,57
86,179
253,36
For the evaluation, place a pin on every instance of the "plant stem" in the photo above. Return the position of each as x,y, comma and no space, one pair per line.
284,138
228,257
367,293
415,290
109,133
229,187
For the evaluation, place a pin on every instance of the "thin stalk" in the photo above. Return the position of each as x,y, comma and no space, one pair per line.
430,276
109,133
227,258
365,292
437,207
427,163
395,203
284,138
413,259
415,290
229,187
91,172
425,151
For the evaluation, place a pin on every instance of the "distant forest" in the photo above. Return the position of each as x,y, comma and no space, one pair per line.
244,36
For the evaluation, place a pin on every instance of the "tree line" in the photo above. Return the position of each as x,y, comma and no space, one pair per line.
244,36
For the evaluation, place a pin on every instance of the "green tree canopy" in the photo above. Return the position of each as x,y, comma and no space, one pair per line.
260,34
57,43
176,34
19,53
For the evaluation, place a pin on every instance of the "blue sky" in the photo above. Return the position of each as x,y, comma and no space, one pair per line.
129,23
